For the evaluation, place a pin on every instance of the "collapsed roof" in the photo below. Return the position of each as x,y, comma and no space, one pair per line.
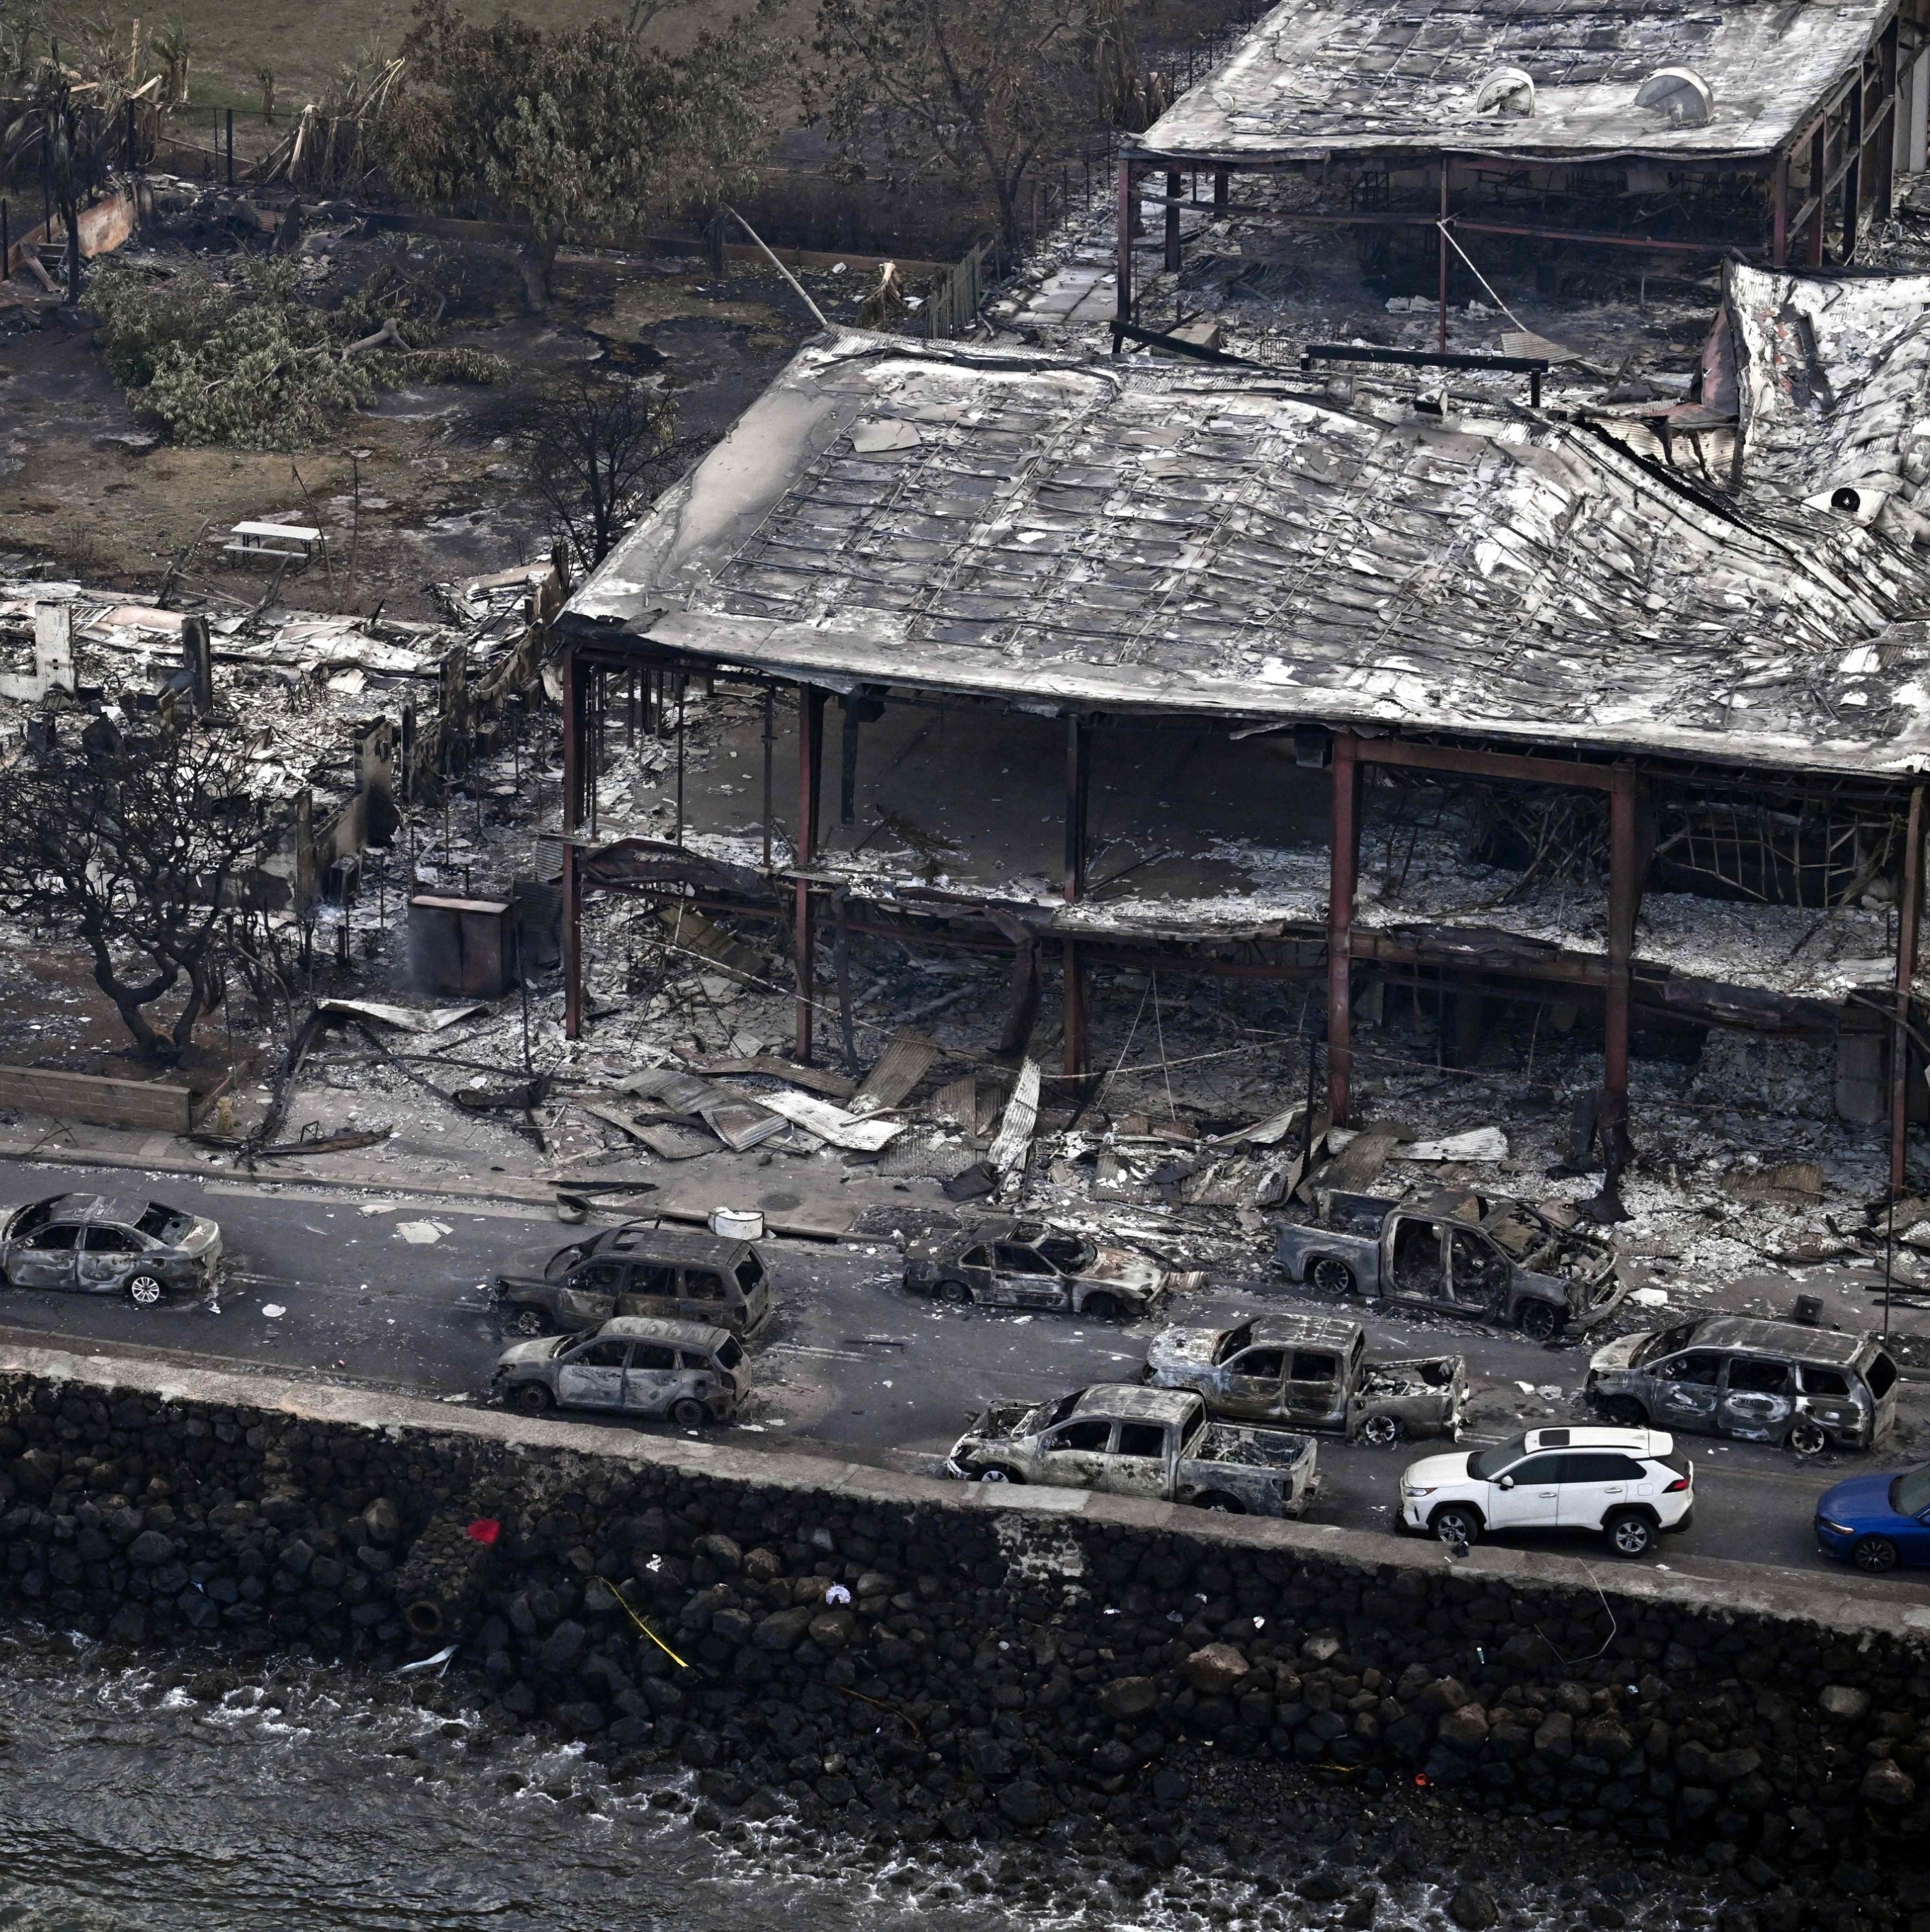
1835,392
1138,536
1388,77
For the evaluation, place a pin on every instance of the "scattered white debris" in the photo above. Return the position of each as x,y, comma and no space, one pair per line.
273,1310
422,1234
1479,1144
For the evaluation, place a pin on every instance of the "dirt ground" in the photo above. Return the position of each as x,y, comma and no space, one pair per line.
423,487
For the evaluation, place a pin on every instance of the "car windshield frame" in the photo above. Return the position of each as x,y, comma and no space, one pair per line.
1485,1464
1664,1342
1910,1494
1231,1343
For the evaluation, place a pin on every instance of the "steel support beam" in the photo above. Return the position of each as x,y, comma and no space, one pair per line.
1819,164
1174,185
1909,918
1624,888
1346,857
1079,789
572,944
1481,764
810,758
1123,269
572,823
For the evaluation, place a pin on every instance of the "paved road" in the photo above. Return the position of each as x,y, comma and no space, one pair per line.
391,1291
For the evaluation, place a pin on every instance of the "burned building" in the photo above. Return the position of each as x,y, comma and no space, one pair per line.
1184,668
1460,142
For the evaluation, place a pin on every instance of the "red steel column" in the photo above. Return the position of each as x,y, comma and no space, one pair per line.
810,757
572,818
1078,779
1909,917
1347,858
1624,889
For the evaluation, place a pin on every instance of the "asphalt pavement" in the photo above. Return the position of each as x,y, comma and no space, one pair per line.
392,1291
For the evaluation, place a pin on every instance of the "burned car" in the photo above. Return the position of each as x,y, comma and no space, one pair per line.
1802,1388
1312,1371
1490,1257
638,1268
1159,1444
687,1372
1009,1264
109,1244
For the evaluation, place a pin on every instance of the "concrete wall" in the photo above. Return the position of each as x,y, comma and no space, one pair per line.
1051,1649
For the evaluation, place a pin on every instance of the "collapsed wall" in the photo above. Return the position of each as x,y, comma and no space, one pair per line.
908,1659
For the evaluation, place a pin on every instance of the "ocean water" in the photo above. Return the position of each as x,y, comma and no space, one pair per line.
230,1796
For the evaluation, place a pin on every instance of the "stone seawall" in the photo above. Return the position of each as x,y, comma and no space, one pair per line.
909,1660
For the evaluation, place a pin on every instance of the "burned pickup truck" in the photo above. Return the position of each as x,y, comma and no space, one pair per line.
1485,1256
1159,1444
1312,1371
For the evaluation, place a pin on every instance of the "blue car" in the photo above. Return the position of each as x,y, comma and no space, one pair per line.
1877,1521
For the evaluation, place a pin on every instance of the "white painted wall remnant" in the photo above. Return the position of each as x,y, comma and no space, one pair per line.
53,657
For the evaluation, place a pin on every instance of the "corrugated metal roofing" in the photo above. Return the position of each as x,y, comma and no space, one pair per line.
1152,537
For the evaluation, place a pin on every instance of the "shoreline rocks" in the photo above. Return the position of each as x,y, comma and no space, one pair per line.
909,1675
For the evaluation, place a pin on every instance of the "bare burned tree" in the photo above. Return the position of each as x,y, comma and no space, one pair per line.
134,847
597,445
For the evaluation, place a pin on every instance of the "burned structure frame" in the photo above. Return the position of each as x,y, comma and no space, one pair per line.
1549,130
1011,532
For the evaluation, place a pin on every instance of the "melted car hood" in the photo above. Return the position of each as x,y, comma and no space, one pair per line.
1183,1348
1125,1269
1620,1353
540,1350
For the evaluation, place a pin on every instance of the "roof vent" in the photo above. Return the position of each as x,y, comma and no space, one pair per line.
1508,90
1682,97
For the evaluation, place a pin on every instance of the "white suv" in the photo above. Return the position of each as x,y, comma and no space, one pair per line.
1628,1483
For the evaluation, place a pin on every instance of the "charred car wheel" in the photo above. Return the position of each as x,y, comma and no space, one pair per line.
1625,1412
1874,1554
1222,1503
531,1399
146,1291
1452,1523
1631,1534
1539,1321
1101,1307
949,1290
996,1472
1331,1276
1381,1431
689,1414
528,1321
1808,1439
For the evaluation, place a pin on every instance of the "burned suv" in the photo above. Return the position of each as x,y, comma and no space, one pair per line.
677,1274
1006,1264
1760,1381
